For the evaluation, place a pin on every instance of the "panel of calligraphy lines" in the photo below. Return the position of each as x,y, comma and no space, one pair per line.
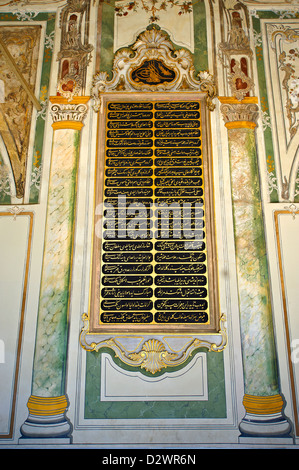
154,268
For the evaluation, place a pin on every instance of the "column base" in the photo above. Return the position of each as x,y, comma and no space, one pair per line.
30,442
46,427
264,418
274,425
46,419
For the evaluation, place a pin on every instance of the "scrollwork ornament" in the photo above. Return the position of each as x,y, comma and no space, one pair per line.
153,355
68,87
240,84
99,85
293,209
153,48
208,86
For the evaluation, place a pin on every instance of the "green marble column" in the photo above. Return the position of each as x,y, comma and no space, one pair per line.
48,401
262,400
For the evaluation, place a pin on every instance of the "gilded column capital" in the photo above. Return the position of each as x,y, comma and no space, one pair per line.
68,114
239,114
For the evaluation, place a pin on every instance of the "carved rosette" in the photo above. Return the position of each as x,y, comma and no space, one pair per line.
151,64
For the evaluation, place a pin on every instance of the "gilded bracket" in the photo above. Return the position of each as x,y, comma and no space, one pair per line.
155,353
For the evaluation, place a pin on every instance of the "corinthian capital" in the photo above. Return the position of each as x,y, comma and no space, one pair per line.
236,113
66,112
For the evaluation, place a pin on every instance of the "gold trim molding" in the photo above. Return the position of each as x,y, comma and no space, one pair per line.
47,406
263,405
240,125
14,212
153,354
75,125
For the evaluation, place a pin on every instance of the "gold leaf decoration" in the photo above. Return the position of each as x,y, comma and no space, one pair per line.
153,356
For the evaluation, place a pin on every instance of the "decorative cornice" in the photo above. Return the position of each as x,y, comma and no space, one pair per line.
68,114
239,114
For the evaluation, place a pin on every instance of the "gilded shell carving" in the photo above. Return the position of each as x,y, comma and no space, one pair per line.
153,356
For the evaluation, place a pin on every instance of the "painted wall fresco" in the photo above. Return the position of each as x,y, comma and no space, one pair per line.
22,144
107,61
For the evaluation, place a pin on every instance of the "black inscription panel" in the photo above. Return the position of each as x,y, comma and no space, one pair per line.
153,253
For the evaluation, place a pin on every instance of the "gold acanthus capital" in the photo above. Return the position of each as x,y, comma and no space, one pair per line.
68,114
239,114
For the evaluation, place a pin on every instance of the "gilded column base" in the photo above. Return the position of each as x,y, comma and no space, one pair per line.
46,418
264,417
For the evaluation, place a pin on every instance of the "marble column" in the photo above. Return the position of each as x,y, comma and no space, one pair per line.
48,401
262,401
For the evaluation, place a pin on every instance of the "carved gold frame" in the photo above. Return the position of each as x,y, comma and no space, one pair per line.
154,347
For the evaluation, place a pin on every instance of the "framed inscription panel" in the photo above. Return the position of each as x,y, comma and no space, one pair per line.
154,260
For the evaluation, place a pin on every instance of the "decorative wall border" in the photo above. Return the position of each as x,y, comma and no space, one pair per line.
293,211
279,187
18,212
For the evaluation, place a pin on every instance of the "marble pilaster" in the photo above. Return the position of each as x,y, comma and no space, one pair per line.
48,401
263,401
